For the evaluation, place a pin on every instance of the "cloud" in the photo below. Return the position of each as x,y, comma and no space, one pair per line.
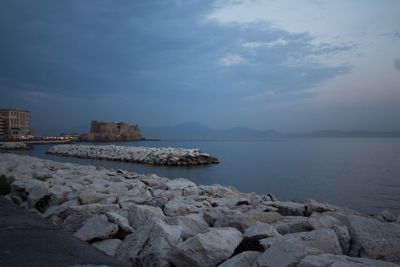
393,35
230,59
397,64
277,42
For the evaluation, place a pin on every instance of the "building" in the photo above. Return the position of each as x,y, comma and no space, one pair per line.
112,131
14,123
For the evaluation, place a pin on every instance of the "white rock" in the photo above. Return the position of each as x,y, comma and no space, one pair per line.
323,239
138,215
96,227
37,191
244,259
284,254
207,249
179,184
289,208
109,246
293,224
371,238
89,196
119,220
260,230
151,244
181,206
329,260
191,224
243,221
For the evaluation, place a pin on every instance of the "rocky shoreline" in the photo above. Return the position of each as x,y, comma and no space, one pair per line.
148,220
15,146
147,155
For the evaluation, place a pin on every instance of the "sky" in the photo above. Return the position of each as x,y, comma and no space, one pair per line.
286,65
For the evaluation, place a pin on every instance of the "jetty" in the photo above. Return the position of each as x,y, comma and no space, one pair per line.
146,155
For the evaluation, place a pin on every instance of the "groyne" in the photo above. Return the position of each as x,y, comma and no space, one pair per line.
147,220
147,155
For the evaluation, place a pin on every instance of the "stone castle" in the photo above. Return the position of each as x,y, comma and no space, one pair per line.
104,131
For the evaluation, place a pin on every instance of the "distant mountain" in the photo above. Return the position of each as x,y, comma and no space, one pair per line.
336,133
198,131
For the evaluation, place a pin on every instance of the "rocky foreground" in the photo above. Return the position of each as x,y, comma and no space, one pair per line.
148,220
15,146
148,155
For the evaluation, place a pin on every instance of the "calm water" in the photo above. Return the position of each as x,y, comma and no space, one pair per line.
360,173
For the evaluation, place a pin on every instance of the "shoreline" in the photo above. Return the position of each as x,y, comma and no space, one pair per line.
117,211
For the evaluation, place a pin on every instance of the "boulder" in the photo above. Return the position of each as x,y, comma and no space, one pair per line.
38,194
119,220
191,224
180,184
207,249
386,216
138,215
284,253
244,221
151,244
89,196
181,206
289,208
246,258
329,260
259,231
371,238
293,224
323,239
318,220
109,246
97,227
74,216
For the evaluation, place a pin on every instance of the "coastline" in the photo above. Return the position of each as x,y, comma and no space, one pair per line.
99,205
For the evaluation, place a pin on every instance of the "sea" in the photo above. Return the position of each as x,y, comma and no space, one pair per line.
359,173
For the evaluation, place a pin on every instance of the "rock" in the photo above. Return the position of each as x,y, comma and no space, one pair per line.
290,208
38,194
207,249
109,246
151,244
191,224
329,260
386,216
323,239
211,215
259,231
244,221
371,238
318,220
293,224
180,206
179,184
312,206
89,196
138,215
283,253
96,227
75,216
119,220
246,258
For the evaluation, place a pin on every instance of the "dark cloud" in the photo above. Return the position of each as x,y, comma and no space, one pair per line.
144,51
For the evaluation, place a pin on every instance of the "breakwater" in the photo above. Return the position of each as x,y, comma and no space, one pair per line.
148,220
147,155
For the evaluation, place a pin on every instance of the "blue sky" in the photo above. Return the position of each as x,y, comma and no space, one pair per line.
283,65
